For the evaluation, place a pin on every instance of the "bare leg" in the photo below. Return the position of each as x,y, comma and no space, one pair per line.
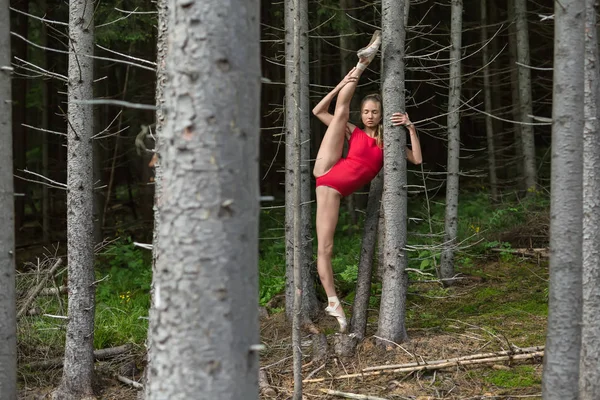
332,144
328,206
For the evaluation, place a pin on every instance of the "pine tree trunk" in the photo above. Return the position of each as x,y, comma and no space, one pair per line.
563,338
205,325
451,218
527,137
44,125
348,59
79,346
395,280
487,92
19,111
310,305
8,329
161,59
496,66
299,34
516,99
589,380
358,323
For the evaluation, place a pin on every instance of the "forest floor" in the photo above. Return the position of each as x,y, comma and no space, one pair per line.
499,305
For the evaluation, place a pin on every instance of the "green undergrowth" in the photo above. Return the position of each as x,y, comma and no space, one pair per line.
517,377
503,295
123,272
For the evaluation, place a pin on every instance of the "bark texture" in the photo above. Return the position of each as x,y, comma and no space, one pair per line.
79,346
516,100
299,7
205,325
358,323
395,280
563,338
487,93
8,330
524,76
589,380
451,217
161,60
298,107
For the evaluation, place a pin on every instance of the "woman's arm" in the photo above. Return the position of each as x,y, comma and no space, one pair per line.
321,110
413,155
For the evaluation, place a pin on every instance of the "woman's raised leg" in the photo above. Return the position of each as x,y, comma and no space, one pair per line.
332,144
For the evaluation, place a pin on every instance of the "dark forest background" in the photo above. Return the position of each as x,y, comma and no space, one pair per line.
338,28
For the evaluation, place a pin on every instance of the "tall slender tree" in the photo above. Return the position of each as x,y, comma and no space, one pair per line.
524,77
8,330
161,60
451,218
487,93
563,338
297,107
205,325
395,280
514,90
358,324
79,346
299,7
347,61
19,103
589,381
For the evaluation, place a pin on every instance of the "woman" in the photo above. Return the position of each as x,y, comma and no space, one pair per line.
337,176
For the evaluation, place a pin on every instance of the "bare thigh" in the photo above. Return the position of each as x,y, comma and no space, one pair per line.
328,207
332,144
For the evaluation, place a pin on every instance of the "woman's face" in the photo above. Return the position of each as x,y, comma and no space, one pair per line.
371,113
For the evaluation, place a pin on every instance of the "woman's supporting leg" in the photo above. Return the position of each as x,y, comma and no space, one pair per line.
328,206
332,144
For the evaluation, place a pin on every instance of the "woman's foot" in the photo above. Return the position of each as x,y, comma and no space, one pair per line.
367,54
334,308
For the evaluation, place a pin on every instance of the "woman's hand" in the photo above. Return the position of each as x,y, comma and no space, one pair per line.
400,119
349,78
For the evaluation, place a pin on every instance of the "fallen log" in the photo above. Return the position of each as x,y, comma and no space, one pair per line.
535,253
130,382
432,367
34,293
524,350
99,355
263,384
350,395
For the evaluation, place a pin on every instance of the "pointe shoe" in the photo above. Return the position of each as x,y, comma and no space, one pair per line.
370,51
332,310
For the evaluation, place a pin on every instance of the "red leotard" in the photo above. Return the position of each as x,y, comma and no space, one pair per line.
361,165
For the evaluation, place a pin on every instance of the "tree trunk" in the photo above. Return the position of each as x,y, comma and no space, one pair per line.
527,137
487,92
8,319
516,99
347,61
79,346
358,323
563,338
19,116
299,35
44,125
395,280
161,59
451,218
205,324
294,76
589,380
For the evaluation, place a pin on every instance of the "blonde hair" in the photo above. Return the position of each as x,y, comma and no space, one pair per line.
376,97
